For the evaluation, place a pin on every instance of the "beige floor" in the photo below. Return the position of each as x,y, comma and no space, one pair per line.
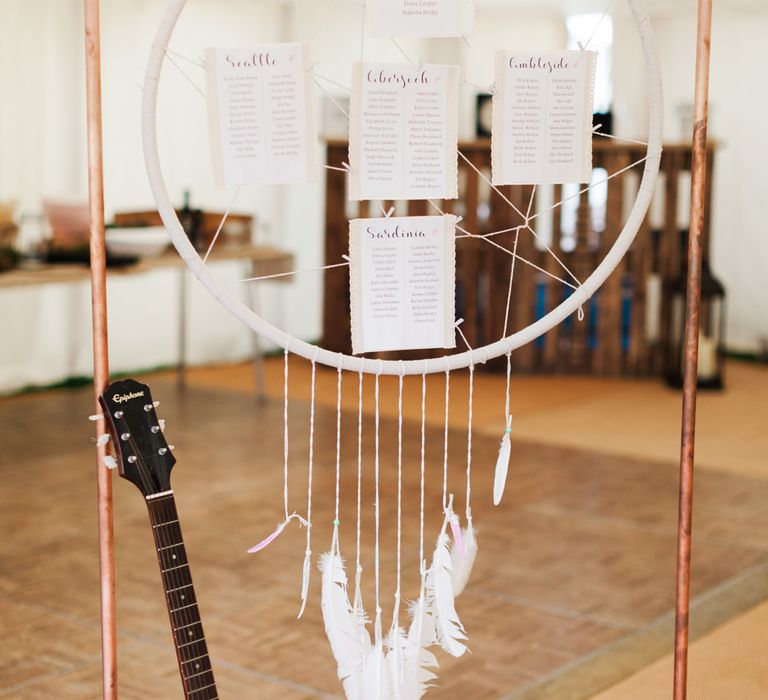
572,597
728,663
623,417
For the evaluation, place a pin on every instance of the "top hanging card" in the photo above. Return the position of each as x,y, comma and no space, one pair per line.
542,118
261,115
420,18
403,132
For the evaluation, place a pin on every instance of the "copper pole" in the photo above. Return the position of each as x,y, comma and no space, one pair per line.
690,382
100,344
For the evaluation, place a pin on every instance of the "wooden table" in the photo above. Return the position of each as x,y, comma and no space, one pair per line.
266,260
260,260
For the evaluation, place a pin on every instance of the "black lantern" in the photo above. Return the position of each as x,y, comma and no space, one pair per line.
711,332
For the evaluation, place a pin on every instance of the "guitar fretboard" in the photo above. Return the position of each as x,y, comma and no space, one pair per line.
189,638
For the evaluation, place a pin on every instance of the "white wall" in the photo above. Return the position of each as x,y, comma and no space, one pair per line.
42,108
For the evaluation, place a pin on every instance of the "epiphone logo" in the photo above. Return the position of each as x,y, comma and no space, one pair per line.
123,398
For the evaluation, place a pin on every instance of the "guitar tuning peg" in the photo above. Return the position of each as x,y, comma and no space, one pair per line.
96,416
161,422
155,404
171,447
110,462
103,440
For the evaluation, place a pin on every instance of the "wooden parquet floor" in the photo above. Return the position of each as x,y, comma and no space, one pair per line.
573,569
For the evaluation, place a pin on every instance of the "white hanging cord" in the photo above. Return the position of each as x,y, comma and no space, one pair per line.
285,430
584,46
337,169
221,226
512,267
507,416
396,613
308,551
469,443
400,49
294,272
523,216
485,238
422,470
358,567
199,64
377,624
530,204
184,73
514,260
445,437
461,333
332,82
288,516
488,182
593,185
596,132
331,98
324,19
338,441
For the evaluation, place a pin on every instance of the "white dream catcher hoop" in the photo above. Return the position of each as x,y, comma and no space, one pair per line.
397,663
479,355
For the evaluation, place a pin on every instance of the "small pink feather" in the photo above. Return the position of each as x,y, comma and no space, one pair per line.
269,540
456,530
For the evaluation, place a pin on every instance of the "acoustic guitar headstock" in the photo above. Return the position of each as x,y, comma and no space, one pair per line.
143,455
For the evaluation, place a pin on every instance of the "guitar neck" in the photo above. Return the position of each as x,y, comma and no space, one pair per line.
188,636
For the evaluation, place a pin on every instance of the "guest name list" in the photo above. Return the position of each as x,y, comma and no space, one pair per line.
403,132
542,118
261,116
420,18
402,283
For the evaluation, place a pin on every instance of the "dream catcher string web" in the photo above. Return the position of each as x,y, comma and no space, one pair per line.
380,656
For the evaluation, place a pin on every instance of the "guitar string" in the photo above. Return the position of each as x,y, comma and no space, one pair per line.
197,650
166,509
197,677
163,536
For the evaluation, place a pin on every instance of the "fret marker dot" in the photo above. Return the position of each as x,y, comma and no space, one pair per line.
197,666
183,597
173,556
191,634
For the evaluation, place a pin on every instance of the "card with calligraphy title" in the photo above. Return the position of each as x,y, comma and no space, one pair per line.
542,118
261,115
402,283
420,18
403,134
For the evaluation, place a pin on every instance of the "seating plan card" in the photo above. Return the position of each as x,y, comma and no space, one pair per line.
542,118
261,115
403,134
402,283
420,18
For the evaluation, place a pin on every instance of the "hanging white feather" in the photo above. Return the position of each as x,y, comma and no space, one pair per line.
502,465
305,581
448,628
341,627
408,664
375,683
422,630
360,618
463,561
